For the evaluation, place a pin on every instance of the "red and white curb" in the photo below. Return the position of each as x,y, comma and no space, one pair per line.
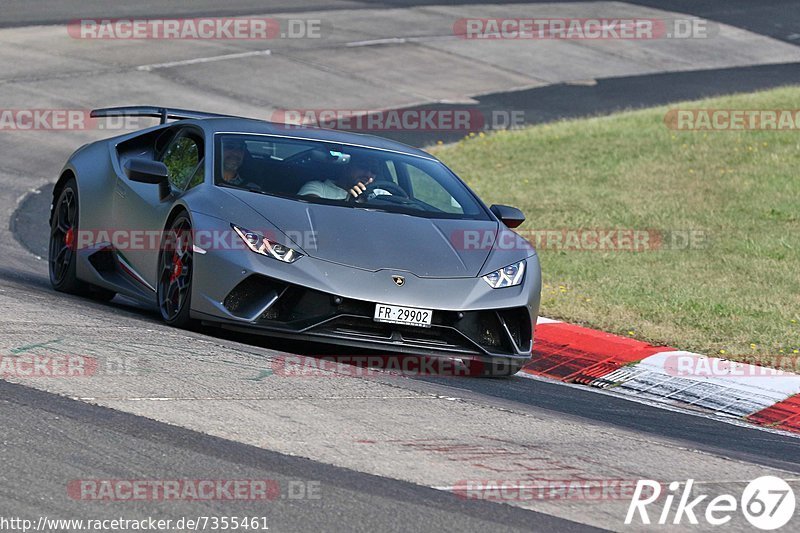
574,354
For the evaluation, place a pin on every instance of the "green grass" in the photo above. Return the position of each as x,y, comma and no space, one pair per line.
739,296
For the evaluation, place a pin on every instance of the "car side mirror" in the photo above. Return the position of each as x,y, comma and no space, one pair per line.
147,171
510,216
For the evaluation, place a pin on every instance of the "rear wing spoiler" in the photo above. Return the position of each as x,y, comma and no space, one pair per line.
162,113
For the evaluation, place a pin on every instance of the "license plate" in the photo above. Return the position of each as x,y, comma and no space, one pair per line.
410,316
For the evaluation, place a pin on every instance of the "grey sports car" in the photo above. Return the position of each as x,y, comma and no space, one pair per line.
295,232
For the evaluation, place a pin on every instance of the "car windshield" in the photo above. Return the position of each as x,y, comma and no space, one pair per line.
323,172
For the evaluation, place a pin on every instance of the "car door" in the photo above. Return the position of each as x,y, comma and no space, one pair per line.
141,211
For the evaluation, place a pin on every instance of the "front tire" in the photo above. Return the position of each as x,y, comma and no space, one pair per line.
175,267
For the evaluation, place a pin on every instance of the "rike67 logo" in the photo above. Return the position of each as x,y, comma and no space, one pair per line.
767,503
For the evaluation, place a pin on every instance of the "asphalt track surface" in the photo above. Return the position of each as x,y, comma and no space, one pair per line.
76,437
49,439
776,18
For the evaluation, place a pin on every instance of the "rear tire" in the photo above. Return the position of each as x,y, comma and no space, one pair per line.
175,267
63,233
62,249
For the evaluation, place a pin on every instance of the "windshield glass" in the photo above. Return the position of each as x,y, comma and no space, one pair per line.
336,174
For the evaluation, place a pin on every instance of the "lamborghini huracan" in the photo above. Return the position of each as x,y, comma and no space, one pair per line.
297,232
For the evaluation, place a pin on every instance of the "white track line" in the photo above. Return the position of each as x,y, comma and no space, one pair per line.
210,59
401,40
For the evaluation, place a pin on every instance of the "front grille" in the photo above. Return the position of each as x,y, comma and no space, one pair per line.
304,310
364,328
484,327
518,322
252,294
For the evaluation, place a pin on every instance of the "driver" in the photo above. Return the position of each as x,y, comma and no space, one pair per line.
360,173
233,153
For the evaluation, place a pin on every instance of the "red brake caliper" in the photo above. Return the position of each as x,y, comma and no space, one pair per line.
177,267
69,239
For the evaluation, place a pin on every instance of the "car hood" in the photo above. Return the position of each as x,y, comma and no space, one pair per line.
375,240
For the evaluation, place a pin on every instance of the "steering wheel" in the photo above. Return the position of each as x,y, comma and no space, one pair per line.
388,186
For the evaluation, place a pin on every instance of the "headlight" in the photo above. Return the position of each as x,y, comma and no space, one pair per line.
507,276
261,245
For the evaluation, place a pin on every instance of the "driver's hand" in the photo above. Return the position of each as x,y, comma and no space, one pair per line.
359,188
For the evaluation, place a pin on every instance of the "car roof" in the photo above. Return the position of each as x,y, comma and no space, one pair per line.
254,126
